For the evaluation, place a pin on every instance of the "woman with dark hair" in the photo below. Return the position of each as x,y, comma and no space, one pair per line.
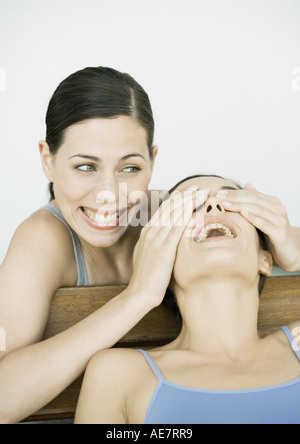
98,156
219,370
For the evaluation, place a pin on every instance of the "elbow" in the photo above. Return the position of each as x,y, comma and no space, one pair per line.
8,414
5,417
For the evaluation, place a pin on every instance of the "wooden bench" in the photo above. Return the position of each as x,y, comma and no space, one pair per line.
280,305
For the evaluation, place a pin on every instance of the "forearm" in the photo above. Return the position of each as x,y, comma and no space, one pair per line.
32,376
296,231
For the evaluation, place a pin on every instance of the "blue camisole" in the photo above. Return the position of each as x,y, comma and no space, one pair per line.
175,404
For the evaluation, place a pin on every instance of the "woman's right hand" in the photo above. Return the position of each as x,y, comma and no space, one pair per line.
155,252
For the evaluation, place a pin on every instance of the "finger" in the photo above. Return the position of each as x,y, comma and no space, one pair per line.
249,186
189,189
271,216
184,213
261,224
240,198
178,204
190,220
174,223
176,217
165,205
273,225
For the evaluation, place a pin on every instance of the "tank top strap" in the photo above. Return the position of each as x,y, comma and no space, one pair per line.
292,341
83,279
153,366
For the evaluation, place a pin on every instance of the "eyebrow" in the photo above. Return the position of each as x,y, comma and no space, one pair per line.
85,156
97,159
226,187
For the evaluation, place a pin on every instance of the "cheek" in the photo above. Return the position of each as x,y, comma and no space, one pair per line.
135,189
140,184
68,187
251,242
183,264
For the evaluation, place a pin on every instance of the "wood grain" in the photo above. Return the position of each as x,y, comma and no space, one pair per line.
279,305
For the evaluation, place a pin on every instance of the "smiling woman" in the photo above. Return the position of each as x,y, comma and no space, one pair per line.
97,93
97,155
99,164
214,226
220,369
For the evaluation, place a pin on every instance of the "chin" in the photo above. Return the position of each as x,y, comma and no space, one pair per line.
103,240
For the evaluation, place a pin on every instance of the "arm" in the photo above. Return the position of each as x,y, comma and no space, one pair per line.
32,373
102,397
296,232
117,388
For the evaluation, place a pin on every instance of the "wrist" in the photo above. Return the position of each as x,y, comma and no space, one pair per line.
296,266
141,299
298,251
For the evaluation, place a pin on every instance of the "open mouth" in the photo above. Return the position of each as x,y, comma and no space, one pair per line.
103,219
215,230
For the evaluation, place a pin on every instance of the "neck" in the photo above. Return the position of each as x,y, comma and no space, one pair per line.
218,316
117,258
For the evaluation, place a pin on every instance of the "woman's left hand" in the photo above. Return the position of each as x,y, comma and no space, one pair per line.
268,215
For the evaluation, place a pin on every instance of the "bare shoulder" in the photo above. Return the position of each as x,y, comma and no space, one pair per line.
115,363
44,226
40,259
111,376
124,370
39,226
42,240
122,382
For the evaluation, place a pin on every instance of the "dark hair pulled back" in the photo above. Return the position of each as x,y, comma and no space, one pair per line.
94,93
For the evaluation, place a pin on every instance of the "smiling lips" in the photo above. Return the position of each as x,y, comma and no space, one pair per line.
214,230
103,220
109,220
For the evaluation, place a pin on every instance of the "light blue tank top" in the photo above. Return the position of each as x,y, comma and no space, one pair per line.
175,404
82,273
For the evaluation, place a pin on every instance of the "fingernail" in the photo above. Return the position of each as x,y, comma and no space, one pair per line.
193,188
203,192
245,213
222,194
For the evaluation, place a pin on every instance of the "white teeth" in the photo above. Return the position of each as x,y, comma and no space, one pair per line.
206,230
100,219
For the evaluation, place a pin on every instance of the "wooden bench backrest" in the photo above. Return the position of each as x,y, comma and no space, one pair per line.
280,305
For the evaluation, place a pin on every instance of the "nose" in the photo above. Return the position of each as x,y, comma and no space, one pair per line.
106,191
214,205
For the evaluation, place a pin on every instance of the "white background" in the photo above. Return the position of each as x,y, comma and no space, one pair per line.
221,76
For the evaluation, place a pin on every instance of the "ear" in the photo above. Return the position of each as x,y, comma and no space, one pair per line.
46,160
266,263
154,151
154,154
